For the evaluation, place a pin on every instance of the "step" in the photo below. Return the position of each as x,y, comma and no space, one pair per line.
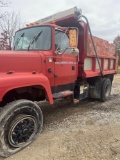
62,94
76,101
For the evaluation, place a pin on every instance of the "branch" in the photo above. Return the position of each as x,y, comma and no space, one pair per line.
4,3
3,15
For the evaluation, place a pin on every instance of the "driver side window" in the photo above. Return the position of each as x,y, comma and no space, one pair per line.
61,41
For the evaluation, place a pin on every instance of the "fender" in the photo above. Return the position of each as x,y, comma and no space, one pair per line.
13,81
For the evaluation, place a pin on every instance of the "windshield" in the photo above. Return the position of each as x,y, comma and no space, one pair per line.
34,38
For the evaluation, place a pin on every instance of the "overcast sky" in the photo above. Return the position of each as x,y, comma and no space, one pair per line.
103,15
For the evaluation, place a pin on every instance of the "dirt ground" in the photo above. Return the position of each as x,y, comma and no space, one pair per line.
89,130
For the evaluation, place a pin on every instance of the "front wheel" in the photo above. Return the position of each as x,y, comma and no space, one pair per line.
20,122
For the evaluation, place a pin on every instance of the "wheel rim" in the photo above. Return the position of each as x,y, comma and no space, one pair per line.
22,130
107,90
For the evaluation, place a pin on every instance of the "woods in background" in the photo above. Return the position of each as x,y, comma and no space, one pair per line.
117,44
9,23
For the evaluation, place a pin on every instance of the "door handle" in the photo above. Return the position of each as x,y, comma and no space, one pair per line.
73,67
50,71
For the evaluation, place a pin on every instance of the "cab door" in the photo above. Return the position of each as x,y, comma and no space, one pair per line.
66,65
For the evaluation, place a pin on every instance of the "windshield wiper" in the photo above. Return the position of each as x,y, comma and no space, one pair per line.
18,39
35,38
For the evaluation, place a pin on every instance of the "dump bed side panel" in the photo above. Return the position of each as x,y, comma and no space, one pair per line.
107,58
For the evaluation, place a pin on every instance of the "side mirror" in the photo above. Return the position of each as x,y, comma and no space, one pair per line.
73,41
73,37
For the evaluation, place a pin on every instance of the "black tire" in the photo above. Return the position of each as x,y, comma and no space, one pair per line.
20,123
105,89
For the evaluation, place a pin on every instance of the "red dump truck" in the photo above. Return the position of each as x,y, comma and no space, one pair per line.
55,57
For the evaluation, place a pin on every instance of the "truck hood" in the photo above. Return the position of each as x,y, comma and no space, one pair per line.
20,61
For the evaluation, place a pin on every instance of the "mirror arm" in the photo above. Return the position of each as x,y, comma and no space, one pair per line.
61,50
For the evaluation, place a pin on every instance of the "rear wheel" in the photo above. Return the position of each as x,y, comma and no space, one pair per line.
105,89
20,122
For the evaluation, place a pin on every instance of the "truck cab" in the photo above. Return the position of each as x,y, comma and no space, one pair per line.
52,43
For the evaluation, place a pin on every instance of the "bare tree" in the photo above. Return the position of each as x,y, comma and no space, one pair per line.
117,44
10,23
3,3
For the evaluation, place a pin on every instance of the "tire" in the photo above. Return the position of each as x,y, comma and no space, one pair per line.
20,123
105,89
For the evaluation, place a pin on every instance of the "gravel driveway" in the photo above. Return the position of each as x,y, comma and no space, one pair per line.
89,130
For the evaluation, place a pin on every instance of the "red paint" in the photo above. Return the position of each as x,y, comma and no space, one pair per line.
17,80
24,63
